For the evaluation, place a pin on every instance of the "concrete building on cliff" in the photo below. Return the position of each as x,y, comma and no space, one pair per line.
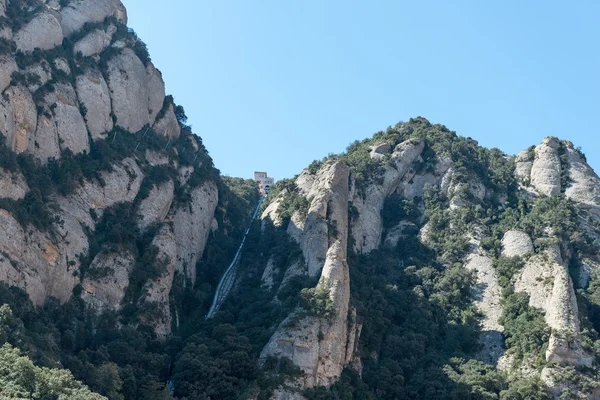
264,181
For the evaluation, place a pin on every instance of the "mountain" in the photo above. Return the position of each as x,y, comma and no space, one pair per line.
415,265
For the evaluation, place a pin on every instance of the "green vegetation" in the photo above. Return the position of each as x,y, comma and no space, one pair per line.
20,379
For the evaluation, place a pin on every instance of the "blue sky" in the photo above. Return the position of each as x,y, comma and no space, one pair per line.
272,85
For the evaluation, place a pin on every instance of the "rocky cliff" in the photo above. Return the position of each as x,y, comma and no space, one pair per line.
417,264
536,212
89,136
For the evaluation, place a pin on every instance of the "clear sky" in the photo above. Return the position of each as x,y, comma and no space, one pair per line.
274,84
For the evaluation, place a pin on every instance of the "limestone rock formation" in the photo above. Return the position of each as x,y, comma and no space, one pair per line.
546,169
12,186
155,207
79,12
45,144
43,32
18,117
8,66
168,124
516,244
128,83
70,125
108,291
368,227
93,43
192,226
94,95
156,91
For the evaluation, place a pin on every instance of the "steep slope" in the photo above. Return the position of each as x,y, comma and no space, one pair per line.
420,197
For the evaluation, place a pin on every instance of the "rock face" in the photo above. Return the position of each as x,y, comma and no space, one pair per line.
546,170
109,290
72,131
12,186
78,12
488,297
128,83
516,244
45,142
8,66
192,226
321,345
43,32
18,117
156,91
168,124
94,95
546,279
368,227
93,43
156,206
71,103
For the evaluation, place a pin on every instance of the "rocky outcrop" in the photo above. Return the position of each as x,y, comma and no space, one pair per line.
45,142
155,207
43,32
545,278
79,12
158,291
584,184
128,83
191,228
546,169
156,91
516,244
12,186
107,291
93,43
488,300
8,66
42,266
42,71
367,228
71,127
322,344
94,95
18,117
523,166
327,217
168,124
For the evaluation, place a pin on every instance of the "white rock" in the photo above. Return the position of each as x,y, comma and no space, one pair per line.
93,43
43,32
93,93
192,224
523,165
546,170
12,185
168,125
156,91
106,293
128,83
62,65
367,227
158,291
78,12
379,150
72,131
18,117
8,66
45,142
43,71
584,186
516,244
155,207
488,298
